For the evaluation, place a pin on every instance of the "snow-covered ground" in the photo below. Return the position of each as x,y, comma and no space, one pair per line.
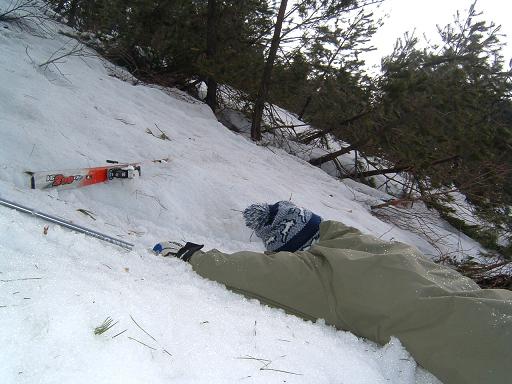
55,288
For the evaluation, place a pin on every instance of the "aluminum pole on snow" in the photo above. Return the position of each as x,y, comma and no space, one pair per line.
67,224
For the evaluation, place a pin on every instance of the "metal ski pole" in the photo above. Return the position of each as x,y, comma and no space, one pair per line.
67,224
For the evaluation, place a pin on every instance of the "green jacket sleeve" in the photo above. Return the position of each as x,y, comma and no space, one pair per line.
377,289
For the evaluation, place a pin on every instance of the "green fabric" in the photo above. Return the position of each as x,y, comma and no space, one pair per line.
377,289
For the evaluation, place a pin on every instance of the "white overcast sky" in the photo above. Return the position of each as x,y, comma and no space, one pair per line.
424,15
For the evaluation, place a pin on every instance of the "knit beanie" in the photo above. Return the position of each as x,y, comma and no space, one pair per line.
283,226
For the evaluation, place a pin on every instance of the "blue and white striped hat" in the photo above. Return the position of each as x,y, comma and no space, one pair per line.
283,226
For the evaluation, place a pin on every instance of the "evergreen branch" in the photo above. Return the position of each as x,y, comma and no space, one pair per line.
163,135
105,326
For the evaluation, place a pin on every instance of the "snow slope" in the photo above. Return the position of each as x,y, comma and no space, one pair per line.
55,288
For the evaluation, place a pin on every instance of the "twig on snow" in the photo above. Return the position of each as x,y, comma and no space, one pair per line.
86,213
142,329
120,333
23,279
266,363
137,192
76,50
140,342
280,370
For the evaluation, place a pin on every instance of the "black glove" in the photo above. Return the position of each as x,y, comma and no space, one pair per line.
172,248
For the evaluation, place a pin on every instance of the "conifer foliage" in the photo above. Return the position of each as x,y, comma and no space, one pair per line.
441,113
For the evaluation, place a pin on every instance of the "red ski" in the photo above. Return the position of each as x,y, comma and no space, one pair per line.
76,178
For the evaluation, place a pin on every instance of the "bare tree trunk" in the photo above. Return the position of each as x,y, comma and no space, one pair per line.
60,6
72,13
211,48
305,106
267,72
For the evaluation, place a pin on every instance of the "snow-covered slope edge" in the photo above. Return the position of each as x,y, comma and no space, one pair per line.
56,288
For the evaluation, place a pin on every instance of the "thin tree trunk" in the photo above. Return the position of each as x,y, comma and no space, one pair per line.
211,48
60,6
259,105
355,161
72,13
305,106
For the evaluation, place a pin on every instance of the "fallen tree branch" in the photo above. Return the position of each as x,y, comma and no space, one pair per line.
402,202
331,156
308,138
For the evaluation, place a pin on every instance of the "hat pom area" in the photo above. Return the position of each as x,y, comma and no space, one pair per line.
256,215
